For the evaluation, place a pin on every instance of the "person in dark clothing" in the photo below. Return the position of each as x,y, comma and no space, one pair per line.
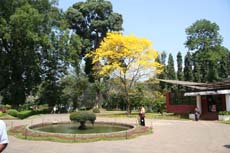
197,114
142,116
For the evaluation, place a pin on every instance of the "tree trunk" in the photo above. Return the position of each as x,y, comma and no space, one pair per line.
128,103
82,126
97,99
75,101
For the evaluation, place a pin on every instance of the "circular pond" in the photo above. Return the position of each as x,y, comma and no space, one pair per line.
72,128
69,132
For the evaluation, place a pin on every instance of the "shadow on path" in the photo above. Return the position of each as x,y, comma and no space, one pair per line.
227,146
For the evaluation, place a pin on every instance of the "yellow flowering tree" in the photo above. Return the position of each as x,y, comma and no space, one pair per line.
128,58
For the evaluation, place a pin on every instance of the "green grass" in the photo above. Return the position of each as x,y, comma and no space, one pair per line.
226,122
166,116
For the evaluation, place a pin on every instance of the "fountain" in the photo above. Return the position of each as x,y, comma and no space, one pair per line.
81,129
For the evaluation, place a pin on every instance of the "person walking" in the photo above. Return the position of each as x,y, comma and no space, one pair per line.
3,136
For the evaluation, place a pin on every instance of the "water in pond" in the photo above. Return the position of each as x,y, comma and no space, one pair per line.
73,128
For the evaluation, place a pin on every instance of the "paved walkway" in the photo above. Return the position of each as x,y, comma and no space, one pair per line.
168,137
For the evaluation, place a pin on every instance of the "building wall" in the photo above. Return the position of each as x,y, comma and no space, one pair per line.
178,108
190,108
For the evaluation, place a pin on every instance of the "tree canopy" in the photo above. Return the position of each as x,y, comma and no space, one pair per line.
127,57
35,50
91,20
204,40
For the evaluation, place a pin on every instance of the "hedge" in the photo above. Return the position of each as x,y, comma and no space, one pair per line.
12,112
25,114
224,113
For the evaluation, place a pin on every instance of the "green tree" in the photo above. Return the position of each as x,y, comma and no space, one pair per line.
204,39
179,66
99,87
228,63
22,33
73,88
91,20
188,76
223,66
202,35
35,48
170,69
180,75
171,74
54,66
196,70
162,60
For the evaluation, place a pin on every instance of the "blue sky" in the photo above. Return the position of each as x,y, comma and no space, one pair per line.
164,21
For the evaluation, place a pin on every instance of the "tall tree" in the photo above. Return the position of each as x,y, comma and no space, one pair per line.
188,76
179,66
163,75
204,39
196,70
34,49
228,64
223,64
171,74
91,20
202,35
23,29
128,58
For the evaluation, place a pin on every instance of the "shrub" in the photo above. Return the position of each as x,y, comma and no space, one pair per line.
25,114
7,106
82,117
1,114
96,110
12,112
224,113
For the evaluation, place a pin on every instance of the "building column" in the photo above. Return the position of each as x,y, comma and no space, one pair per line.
198,103
227,98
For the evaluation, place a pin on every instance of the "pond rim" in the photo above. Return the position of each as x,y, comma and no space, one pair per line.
123,132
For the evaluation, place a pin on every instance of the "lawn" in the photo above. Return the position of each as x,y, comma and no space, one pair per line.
167,116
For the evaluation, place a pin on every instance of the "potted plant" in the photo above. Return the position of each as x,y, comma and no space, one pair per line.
224,115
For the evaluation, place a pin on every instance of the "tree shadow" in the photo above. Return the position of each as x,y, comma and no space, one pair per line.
227,146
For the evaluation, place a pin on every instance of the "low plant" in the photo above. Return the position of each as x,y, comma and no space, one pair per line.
25,114
12,112
82,117
96,110
1,114
8,106
224,113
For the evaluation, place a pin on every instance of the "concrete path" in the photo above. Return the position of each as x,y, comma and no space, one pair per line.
169,136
